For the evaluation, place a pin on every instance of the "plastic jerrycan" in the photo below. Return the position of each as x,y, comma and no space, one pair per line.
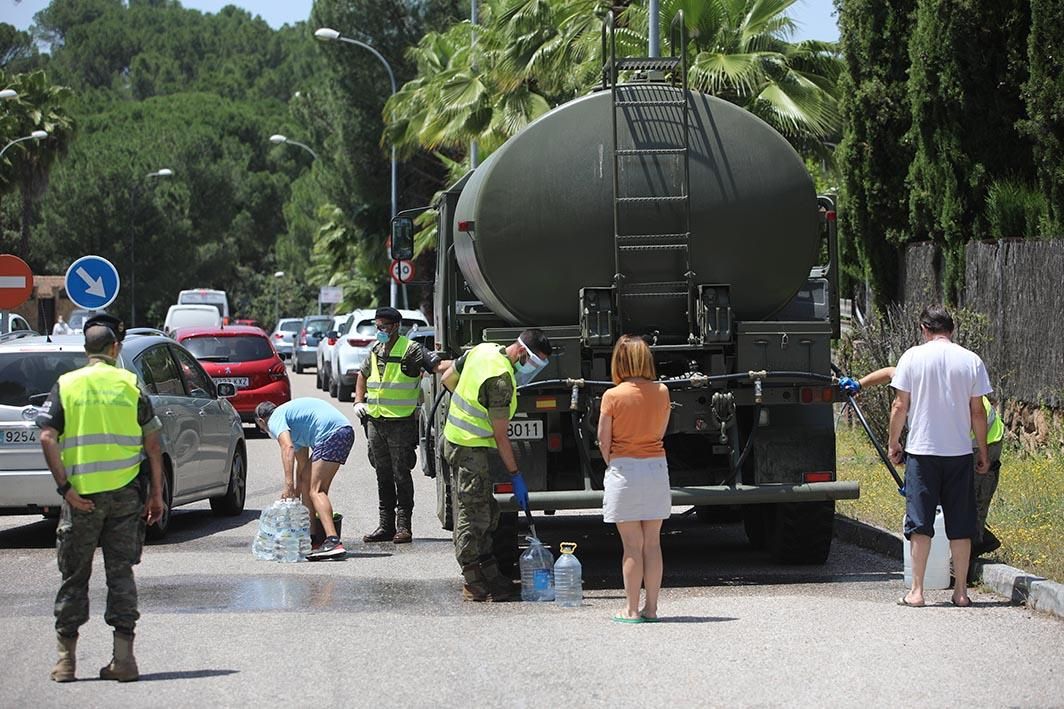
936,576
537,572
568,578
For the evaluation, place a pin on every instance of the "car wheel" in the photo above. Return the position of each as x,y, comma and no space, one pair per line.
297,366
343,393
317,379
158,530
232,502
332,388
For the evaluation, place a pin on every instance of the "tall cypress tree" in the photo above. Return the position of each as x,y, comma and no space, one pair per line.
874,156
968,64
1044,94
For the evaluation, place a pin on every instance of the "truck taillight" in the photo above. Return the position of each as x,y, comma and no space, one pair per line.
819,476
359,341
277,371
817,395
504,488
554,443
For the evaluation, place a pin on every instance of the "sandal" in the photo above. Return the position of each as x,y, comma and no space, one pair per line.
621,618
904,601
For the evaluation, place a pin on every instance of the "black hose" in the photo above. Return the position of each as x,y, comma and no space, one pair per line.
875,442
432,414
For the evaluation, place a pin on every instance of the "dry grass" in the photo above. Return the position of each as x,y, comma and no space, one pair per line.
1027,512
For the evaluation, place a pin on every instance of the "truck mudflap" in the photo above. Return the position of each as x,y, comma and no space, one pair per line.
700,495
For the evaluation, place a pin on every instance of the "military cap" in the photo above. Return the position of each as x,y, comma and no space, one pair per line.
388,314
116,326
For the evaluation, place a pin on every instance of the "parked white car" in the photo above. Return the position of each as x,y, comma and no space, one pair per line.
352,349
340,325
191,316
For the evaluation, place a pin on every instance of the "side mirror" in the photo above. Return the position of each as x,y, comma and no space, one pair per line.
332,334
402,238
226,390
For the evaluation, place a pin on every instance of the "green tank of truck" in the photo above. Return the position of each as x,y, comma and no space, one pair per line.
651,209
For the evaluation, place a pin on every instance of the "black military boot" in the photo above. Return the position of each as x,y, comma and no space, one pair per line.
502,587
476,585
403,535
385,530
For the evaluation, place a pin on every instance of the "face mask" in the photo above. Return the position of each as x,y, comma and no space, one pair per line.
524,373
383,336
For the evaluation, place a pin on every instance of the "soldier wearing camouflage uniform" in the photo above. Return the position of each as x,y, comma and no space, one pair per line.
484,398
95,428
386,399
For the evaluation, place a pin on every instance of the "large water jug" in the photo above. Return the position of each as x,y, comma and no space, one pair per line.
537,572
936,577
568,578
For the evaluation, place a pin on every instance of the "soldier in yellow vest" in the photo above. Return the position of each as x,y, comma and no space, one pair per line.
386,399
484,383
985,484
96,427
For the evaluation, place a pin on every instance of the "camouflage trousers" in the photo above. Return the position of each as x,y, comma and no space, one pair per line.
116,525
985,487
393,453
476,513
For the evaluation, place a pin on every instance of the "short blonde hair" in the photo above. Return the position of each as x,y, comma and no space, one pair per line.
632,358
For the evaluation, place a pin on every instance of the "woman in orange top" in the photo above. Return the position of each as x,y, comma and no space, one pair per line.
636,495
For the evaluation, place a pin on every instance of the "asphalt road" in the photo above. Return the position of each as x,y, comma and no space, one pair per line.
387,626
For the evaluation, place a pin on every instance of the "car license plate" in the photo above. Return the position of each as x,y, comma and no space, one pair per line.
18,437
238,382
525,429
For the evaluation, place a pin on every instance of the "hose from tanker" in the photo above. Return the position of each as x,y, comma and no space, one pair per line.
851,401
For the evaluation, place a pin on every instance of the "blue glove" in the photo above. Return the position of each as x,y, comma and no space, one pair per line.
520,490
849,385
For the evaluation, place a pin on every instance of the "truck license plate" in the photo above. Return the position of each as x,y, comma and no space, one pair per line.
238,382
19,437
525,430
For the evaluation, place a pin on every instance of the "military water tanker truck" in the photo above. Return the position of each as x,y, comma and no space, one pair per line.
650,209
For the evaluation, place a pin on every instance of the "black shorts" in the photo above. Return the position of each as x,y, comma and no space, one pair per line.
937,480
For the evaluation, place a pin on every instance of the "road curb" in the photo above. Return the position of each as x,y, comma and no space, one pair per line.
1036,592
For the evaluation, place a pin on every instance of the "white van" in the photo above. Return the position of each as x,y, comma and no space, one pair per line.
204,296
191,316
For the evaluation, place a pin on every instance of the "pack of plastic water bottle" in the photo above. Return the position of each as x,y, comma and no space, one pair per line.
284,532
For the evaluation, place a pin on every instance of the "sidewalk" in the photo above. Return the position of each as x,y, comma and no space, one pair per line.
1035,592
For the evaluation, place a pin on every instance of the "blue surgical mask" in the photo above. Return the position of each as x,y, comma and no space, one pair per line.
383,336
524,373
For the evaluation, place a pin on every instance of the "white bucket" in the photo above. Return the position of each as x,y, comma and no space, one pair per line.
936,576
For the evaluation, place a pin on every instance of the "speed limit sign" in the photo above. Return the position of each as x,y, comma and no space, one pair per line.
402,271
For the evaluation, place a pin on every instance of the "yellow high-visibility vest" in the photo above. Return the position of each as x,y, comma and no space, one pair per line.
102,443
395,395
995,427
468,423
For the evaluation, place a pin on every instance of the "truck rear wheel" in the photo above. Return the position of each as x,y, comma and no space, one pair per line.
757,522
803,531
506,544
444,499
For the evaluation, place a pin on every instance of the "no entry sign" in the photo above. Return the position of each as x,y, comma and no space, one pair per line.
16,281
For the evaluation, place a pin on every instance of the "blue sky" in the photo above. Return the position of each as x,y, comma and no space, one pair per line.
815,17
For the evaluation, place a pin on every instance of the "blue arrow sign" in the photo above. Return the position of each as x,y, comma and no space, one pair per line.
92,282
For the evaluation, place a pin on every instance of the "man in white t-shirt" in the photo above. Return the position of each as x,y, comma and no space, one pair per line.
939,386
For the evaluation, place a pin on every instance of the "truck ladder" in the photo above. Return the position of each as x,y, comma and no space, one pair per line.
645,106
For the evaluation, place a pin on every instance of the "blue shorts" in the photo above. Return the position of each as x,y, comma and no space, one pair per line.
336,447
934,480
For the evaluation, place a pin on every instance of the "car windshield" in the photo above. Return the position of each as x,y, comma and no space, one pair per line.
290,326
27,377
235,348
77,319
369,327
323,325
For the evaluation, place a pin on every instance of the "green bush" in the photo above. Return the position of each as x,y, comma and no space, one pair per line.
1014,209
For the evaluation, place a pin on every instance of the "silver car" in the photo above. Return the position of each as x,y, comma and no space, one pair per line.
284,334
305,347
204,454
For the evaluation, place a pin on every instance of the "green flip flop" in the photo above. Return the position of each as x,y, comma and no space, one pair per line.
618,618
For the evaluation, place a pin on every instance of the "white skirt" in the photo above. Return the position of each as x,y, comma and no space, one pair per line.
636,489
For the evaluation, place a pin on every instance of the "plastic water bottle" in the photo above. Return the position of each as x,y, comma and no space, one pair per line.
537,572
936,576
286,547
263,546
568,578
300,518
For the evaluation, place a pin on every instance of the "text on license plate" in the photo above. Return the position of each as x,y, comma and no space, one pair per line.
525,430
239,382
20,437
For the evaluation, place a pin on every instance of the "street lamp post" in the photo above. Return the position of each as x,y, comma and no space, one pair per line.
326,34
35,135
278,139
133,201
277,296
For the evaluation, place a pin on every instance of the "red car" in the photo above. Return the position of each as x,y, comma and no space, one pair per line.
243,356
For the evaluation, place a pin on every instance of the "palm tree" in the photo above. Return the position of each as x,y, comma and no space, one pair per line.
531,54
39,106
